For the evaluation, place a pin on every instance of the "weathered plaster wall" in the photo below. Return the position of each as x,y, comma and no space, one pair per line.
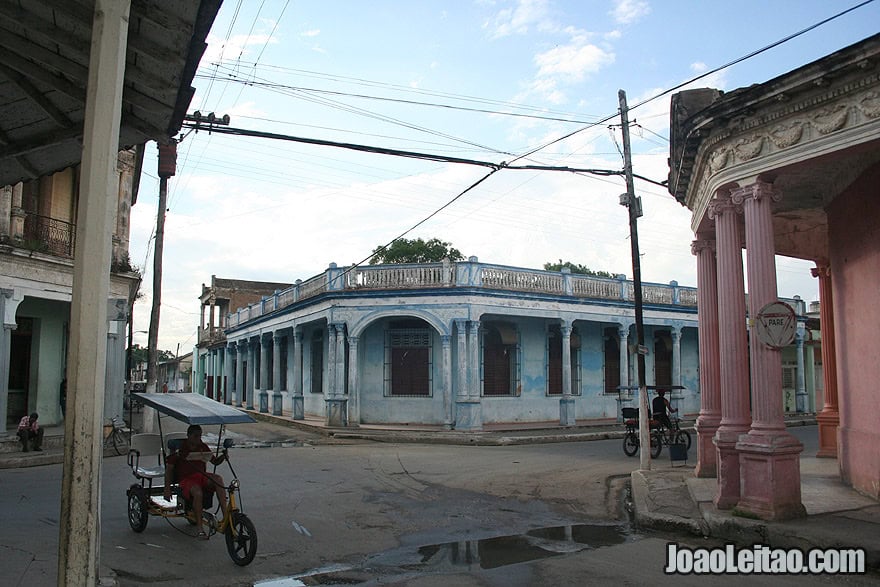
855,265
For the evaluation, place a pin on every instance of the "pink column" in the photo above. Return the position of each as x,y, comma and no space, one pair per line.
829,418
769,455
733,350
710,365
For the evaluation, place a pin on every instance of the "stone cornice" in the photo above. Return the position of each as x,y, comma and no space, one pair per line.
819,123
719,131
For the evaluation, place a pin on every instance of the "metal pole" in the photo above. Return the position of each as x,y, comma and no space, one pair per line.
634,205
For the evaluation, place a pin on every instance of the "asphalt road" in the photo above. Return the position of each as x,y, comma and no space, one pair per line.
370,514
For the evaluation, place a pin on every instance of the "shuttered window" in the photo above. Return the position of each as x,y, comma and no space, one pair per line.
500,366
612,361
408,362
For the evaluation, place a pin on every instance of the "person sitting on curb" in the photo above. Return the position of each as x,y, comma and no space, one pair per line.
30,433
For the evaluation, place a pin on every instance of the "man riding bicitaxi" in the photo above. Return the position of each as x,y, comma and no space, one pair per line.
189,465
660,409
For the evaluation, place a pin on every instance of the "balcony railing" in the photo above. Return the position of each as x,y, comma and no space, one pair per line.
465,274
49,235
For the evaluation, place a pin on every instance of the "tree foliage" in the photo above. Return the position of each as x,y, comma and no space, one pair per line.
415,251
140,354
575,268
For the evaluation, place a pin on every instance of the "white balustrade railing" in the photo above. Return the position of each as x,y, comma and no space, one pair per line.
595,287
465,274
521,279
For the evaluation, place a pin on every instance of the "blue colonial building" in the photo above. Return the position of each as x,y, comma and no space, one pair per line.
457,345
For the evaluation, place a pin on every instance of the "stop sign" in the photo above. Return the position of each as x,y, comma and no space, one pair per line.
776,324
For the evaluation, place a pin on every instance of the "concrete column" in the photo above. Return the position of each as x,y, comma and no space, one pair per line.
277,398
446,371
474,385
769,454
675,333
335,401
230,373
710,367
467,405
5,211
251,371
354,397
331,361
209,371
17,215
80,521
801,389
8,308
623,341
829,418
240,377
263,383
462,356
733,347
297,403
566,402
340,360
219,368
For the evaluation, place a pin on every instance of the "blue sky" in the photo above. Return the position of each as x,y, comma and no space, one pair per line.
350,71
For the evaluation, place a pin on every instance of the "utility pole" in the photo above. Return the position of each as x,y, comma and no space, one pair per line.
634,204
167,168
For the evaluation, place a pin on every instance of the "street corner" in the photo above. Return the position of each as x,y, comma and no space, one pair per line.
662,501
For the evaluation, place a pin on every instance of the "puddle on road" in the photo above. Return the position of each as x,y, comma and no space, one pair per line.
490,553
486,553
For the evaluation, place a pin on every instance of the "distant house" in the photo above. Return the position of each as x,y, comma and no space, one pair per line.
37,245
216,301
175,375
786,167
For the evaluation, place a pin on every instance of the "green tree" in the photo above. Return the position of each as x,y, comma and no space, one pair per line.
579,269
417,250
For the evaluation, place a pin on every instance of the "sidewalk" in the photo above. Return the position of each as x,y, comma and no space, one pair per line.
665,498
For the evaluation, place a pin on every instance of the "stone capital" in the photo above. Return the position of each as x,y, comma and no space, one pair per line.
821,271
755,192
700,245
723,204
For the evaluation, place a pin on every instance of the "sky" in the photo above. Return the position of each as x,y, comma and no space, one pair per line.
485,80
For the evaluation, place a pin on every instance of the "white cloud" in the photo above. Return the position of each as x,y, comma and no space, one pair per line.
311,33
629,11
520,19
236,47
570,63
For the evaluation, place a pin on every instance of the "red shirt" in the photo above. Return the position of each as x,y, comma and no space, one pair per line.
184,467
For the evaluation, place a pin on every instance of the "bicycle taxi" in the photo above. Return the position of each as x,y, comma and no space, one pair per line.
658,434
147,459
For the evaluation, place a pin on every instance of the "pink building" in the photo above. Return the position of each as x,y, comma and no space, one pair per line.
788,167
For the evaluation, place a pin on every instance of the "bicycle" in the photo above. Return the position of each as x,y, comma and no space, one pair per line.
631,441
674,435
115,436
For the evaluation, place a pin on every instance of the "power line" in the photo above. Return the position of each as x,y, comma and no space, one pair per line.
395,152
273,85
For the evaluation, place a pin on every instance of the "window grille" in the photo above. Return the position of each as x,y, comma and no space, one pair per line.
500,360
612,361
408,363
